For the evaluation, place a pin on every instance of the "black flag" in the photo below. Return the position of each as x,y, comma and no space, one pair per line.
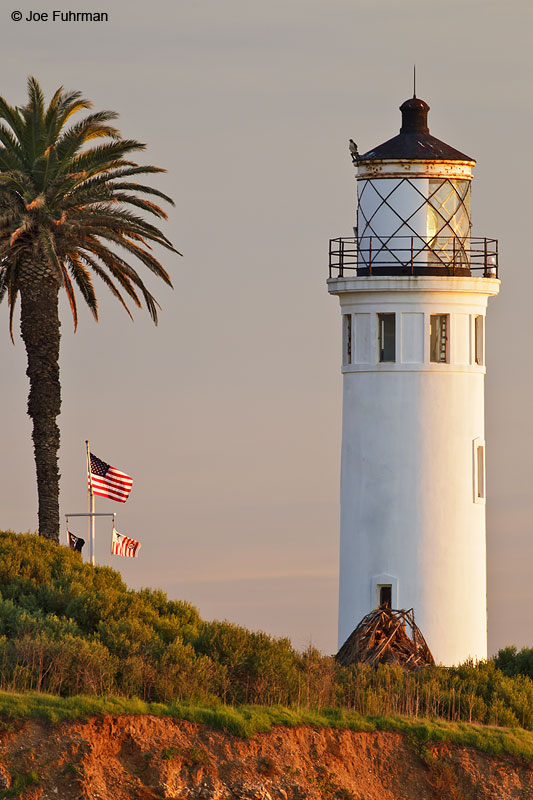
74,542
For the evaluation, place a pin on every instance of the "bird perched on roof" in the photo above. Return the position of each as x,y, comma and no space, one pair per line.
354,151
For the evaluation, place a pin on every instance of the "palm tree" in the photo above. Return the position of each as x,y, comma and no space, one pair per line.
69,210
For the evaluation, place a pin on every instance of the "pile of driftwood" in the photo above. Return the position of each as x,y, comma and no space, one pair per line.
386,636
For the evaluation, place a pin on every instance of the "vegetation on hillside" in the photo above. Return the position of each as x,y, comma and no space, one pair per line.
513,662
68,629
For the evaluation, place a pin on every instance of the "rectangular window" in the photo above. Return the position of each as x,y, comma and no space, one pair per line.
480,454
385,596
438,338
347,338
384,591
478,339
479,471
387,337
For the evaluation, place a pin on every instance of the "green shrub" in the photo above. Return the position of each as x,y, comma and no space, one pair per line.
76,631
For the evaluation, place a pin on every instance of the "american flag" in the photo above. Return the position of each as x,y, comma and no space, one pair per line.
108,481
124,546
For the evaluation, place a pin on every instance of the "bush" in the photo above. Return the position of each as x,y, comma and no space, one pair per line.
68,628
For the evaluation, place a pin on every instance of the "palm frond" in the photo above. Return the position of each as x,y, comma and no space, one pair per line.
4,281
70,104
84,282
147,259
33,114
36,97
108,282
82,192
12,279
10,160
67,283
11,143
109,216
104,157
139,202
13,118
45,168
126,275
139,187
92,126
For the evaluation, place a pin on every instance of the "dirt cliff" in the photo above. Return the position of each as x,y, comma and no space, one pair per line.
143,757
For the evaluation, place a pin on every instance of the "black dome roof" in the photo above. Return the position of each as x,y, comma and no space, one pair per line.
414,140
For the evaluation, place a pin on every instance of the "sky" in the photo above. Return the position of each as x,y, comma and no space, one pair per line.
228,414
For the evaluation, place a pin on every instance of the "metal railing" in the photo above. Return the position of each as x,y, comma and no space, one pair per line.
412,255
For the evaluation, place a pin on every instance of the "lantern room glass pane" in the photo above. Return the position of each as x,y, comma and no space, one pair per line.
448,220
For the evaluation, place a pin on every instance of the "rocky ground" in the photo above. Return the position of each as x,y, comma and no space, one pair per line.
143,758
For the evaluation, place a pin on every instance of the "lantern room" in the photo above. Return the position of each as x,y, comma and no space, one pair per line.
413,209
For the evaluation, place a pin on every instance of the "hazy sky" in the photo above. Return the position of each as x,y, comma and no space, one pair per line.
228,414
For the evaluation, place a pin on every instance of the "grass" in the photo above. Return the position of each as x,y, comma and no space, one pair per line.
246,721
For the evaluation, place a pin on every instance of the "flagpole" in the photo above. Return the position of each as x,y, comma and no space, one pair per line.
93,523
112,531
90,505
88,467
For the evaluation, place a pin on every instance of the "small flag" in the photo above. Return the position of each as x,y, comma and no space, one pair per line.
124,546
108,481
75,542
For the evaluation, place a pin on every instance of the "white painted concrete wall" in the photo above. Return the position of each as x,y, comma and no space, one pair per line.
408,505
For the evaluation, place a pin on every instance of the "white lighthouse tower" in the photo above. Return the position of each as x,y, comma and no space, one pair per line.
413,288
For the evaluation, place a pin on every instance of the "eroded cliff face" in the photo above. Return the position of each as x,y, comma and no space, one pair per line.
143,757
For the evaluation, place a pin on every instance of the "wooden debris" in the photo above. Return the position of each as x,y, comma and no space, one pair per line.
386,636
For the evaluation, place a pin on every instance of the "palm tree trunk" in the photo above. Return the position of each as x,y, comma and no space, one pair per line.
39,324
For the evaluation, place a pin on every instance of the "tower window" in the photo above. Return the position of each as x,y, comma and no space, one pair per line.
385,596
385,591
387,337
480,453
438,338
347,338
479,471
478,339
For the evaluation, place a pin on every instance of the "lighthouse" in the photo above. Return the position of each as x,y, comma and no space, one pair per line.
413,286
